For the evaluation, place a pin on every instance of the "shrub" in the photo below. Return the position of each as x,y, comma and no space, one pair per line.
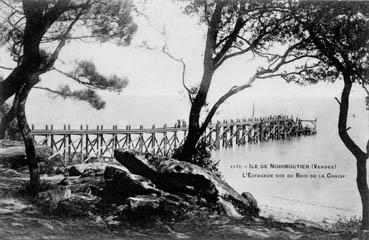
202,157
12,132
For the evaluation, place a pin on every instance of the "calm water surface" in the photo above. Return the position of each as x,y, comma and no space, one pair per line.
313,198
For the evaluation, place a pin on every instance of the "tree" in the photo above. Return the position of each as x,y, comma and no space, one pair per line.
30,27
336,34
233,28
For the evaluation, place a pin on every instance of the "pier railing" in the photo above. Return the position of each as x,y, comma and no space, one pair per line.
85,143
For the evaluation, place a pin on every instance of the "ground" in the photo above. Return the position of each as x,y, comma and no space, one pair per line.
21,218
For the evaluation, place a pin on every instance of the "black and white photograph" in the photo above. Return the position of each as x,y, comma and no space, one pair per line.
184,119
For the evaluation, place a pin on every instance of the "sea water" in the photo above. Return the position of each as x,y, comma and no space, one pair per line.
315,193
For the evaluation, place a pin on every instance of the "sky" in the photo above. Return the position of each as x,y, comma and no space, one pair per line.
153,74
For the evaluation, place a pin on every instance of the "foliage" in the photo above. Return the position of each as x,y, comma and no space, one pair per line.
112,22
96,20
86,70
86,74
12,130
202,157
36,31
87,95
335,36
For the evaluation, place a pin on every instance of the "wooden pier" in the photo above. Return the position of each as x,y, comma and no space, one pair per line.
85,143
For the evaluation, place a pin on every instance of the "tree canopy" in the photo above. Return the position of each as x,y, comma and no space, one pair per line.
335,35
34,32
235,28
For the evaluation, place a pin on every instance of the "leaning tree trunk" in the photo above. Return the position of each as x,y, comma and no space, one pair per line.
360,155
194,129
20,102
209,64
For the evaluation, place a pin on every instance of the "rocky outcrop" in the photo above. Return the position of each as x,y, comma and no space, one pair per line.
121,184
148,187
97,168
179,177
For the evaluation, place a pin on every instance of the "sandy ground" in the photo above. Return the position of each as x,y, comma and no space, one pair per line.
290,210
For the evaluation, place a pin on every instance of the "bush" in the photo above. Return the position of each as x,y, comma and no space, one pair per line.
201,157
12,132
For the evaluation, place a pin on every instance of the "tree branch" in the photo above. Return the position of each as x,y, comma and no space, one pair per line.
47,89
7,68
337,100
230,40
365,88
223,98
61,44
69,76
165,49
342,123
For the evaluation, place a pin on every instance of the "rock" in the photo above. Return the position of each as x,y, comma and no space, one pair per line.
46,225
12,173
122,184
250,198
135,163
295,236
87,169
253,233
98,219
229,209
310,224
143,203
85,185
50,199
176,235
13,154
17,224
55,165
112,221
182,177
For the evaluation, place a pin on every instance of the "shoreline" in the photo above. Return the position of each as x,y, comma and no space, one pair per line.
290,210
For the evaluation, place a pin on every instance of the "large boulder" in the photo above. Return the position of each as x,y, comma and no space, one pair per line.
122,184
85,185
182,177
13,153
97,168
166,207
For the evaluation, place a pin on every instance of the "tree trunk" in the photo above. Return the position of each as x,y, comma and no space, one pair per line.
362,186
12,84
5,121
194,129
20,102
189,146
360,155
